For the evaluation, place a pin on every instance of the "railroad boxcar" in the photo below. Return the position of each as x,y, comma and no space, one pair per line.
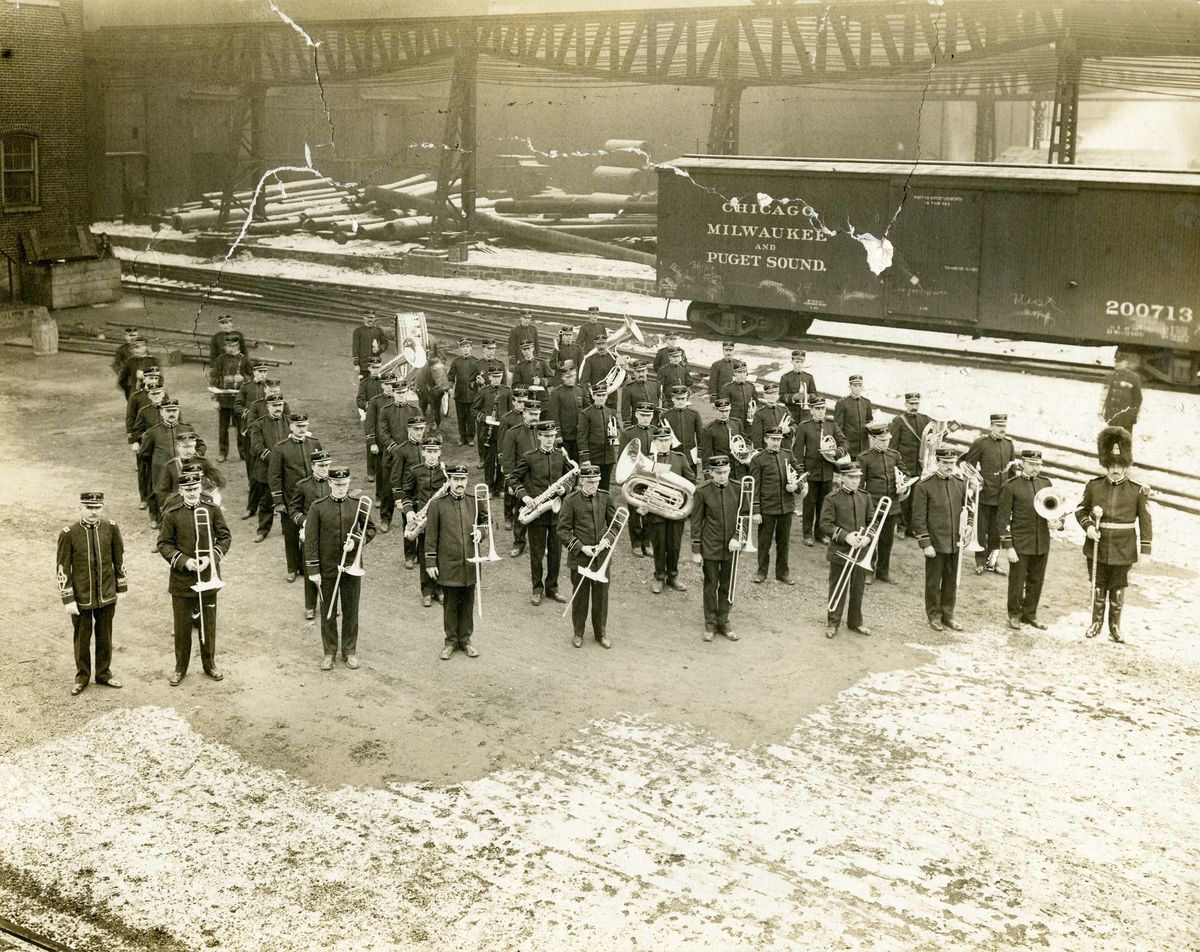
763,246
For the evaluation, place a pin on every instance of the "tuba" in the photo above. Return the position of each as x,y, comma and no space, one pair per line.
666,494
936,430
628,330
412,344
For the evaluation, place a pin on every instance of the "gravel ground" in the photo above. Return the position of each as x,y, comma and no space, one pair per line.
993,790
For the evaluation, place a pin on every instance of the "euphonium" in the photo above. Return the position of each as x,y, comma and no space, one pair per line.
616,376
666,494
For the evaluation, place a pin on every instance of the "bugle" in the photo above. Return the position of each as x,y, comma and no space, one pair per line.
743,533
483,508
604,552
861,555
357,536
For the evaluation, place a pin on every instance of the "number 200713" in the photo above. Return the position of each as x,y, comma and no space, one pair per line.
1165,312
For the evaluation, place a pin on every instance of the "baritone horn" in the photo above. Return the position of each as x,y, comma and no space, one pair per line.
628,330
666,494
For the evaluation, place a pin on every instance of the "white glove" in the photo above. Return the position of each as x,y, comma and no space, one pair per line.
929,551
432,572
1013,558
72,608
315,579
348,545
1093,533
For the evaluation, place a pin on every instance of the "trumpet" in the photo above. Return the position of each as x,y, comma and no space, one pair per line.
606,547
357,537
667,495
483,504
742,533
552,498
420,518
863,554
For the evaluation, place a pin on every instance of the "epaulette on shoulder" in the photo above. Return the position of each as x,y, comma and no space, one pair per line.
1143,488
113,523
66,528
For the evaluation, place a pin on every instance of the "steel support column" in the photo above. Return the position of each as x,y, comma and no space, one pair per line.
247,126
456,163
985,129
725,125
1065,124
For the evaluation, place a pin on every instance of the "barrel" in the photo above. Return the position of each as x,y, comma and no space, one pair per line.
43,331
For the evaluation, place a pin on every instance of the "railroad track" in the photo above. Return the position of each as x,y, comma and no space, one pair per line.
16,938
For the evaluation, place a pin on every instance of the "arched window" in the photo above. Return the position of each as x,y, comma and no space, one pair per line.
18,171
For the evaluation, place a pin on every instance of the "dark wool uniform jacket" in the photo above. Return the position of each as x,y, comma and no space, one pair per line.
166,483
714,438
1122,398
879,474
371,420
216,345
562,352
795,387
992,456
265,434
673,375
518,335
852,414
583,521
148,415
534,473
258,410
133,407
586,337
308,491
158,444
719,374
491,401
224,373
807,447
769,471
562,406
518,440
325,532
1021,528
842,513
1125,505
739,396
402,457
290,462
686,424
448,542
907,430
368,389
177,542
632,394
462,377
643,434
391,424
130,376
363,339
595,369
714,520
248,394
936,510
767,416
420,483
91,564
532,372
593,435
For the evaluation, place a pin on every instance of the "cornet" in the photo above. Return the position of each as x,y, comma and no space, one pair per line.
357,536
608,545
483,504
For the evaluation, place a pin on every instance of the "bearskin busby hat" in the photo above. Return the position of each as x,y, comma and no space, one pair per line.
1114,447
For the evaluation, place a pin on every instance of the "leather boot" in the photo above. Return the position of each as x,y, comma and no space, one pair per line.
1097,613
1116,601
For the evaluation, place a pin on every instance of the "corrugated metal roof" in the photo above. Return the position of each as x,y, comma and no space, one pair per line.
1059,174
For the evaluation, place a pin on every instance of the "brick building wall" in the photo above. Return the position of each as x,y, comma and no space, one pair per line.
42,93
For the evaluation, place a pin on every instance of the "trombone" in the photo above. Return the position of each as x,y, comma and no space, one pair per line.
355,568
483,504
599,573
742,533
206,559
862,555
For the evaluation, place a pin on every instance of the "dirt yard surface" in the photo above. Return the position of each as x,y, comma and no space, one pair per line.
990,790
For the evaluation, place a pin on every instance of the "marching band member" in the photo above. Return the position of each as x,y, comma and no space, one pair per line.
992,453
564,404
937,509
1025,537
662,356
515,417
640,388
536,470
309,490
90,566
596,367
370,387
140,398
907,430
138,362
248,394
227,373
642,430
333,534
211,477
714,438
462,383
529,370
157,446
266,432
845,515
796,388
367,341
148,413
391,429
216,344
816,466
666,535
852,413
582,522
421,482
289,462
524,332
567,351
189,557
515,441
451,535
388,384
721,371
1113,542
879,465
488,362
715,539
124,351
591,329
492,401
774,505
598,434
674,373
770,415
401,458
742,396
684,421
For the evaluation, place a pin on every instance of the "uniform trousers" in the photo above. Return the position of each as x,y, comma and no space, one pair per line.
988,532
244,450
718,577
512,508
458,618
811,519
853,595
143,478
639,537
387,498
259,500
373,469
666,537
605,475
544,554
466,421
348,593
941,585
225,420
381,474
883,548
186,612
428,585
291,544
597,593
1109,576
906,513
431,407
777,527
1025,577
100,622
